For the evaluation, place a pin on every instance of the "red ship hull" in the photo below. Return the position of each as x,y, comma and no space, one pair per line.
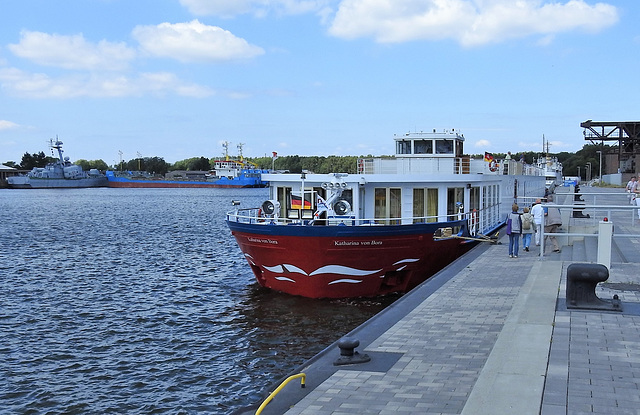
340,263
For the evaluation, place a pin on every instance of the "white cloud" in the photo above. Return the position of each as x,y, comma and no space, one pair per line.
482,143
72,52
468,22
7,125
193,42
228,8
39,85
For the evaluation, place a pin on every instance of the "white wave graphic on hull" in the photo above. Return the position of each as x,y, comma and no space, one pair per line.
340,269
402,261
284,279
345,280
285,268
250,259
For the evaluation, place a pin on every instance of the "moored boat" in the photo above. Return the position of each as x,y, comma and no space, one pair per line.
225,173
551,166
385,229
229,173
59,174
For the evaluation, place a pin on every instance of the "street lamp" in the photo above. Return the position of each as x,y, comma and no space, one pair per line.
600,165
588,171
579,177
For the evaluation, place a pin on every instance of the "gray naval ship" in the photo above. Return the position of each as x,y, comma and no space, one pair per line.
59,174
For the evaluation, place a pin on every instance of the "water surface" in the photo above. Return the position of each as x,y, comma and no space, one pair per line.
139,301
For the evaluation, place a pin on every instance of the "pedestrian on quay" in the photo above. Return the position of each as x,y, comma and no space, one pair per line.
527,228
635,200
552,221
537,211
631,188
514,229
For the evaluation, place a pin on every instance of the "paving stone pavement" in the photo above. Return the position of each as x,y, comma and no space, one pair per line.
497,338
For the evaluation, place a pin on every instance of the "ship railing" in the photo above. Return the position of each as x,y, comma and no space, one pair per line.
479,220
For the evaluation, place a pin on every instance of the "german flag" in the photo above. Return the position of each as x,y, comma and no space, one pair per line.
296,202
488,157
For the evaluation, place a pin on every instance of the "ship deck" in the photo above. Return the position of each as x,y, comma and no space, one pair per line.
492,335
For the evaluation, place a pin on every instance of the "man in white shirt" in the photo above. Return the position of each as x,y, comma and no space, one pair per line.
538,216
631,189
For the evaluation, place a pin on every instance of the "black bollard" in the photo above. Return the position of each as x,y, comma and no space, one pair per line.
581,288
348,355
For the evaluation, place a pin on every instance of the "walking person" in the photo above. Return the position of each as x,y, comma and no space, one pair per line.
552,221
527,228
636,200
537,211
632,186
514,229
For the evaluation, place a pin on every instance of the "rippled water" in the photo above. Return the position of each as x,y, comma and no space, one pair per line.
139,301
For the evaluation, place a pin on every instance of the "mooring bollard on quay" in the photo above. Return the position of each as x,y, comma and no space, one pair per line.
348,355
582,280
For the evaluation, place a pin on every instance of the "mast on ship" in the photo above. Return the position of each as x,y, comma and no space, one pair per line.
58,146
225,145
240,151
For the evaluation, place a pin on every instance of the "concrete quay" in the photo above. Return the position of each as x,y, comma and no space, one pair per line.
492,335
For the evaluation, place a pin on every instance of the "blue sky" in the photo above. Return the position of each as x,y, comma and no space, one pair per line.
176,78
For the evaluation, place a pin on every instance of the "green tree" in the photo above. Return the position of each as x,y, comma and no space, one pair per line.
193,163
201,163
36,160
156,165
92,164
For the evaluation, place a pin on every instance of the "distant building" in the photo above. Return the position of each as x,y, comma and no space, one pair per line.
6,171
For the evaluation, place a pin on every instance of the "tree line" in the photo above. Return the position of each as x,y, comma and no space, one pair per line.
317,164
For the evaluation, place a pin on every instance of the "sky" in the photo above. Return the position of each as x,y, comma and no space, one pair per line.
177,78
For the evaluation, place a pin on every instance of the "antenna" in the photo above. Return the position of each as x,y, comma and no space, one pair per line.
240,151
225,145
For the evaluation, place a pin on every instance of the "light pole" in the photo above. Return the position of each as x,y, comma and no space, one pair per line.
588,171
600,165
579,177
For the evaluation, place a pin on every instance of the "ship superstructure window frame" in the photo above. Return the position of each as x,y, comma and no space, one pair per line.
388,204
454,195
425,205
403,147
444,146
423,147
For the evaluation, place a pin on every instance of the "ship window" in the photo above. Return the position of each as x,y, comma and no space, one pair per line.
418,205
455,195
423,147
388,205
444,146
474,198
403,147
283,195
425,205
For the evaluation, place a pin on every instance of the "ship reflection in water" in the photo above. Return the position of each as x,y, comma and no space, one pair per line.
139,301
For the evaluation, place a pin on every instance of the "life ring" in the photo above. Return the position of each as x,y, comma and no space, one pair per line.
493,166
